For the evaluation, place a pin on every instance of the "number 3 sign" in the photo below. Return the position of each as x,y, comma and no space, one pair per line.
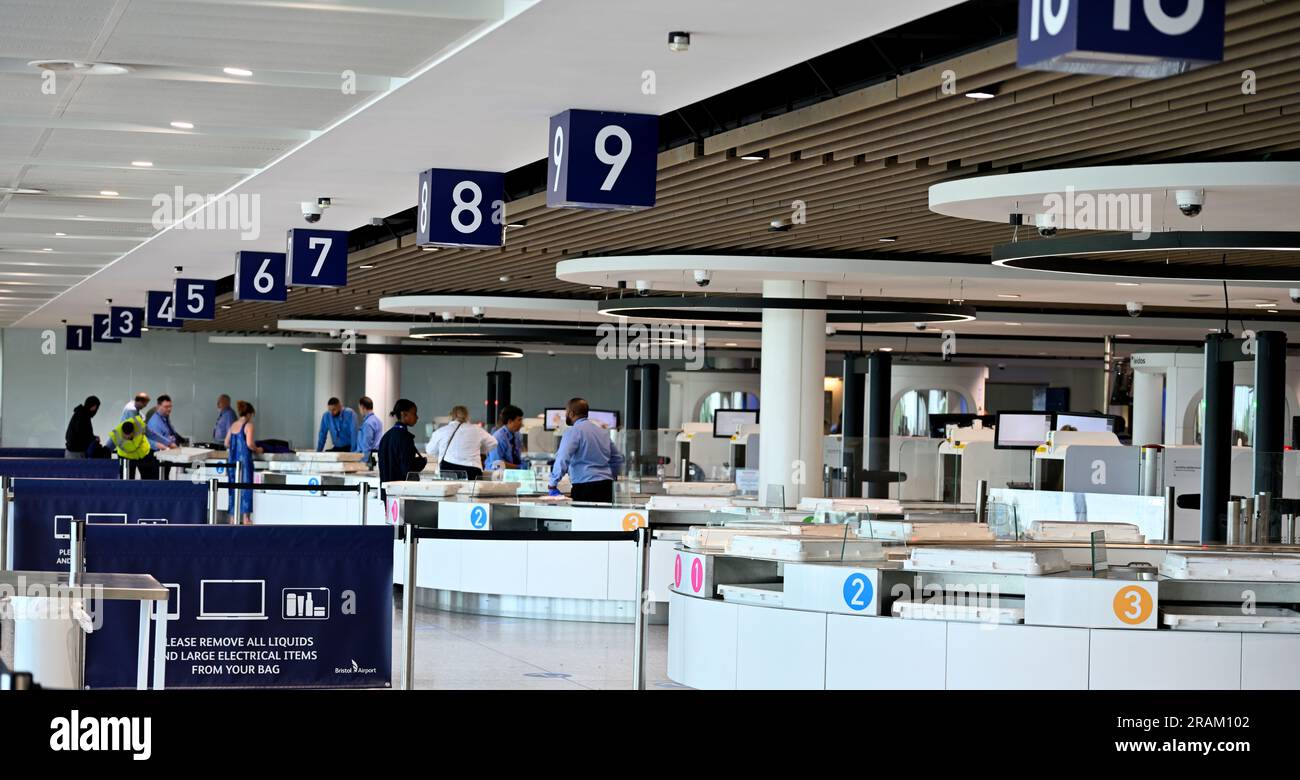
602,160
259,276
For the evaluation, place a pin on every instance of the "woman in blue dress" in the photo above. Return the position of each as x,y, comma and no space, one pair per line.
240,448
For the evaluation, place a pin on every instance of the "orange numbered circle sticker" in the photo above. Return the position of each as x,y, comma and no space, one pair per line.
633,521
1132,604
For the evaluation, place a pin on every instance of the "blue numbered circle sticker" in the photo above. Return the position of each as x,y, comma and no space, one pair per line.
478,517
221,468
857,591
313,481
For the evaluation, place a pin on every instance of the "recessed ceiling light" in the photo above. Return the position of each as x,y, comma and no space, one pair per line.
594,287
365,267
144,330
183,125
1128,284
265,327
517,223
357,307
108,193
429,248
1008,295
886,349
888,239
731,343
757,156
225,306
1272,311
1012,324
980,95
81,68
237,71
1123,336
1265,305
503,278
142,163
21,191
48,249
60,234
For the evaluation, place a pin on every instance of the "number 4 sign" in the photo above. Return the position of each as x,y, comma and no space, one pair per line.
160,310
602,160
259,276
317,258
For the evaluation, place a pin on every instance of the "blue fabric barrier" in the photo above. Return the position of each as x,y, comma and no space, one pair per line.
31,452
44,510
252,606
89,468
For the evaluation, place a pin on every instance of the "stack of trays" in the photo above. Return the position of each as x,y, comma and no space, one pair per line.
717,537
318,467
434,489
699,488
329,457
909,531
992,561
187,455
806,548
688,502
876,506
1231,618
1065,531
1253,568
967,613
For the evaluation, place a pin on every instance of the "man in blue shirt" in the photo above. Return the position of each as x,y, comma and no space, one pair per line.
372,429
135,407
225,416
340,424
588,455
508,453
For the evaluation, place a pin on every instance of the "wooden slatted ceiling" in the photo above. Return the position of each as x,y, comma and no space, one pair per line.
863,162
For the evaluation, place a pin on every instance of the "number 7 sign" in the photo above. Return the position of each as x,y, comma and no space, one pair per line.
317,258
259,276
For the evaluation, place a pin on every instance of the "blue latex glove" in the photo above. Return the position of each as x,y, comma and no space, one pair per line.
554,492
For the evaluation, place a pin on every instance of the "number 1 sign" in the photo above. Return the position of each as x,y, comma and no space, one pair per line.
79,338
259,276
602,160
318,258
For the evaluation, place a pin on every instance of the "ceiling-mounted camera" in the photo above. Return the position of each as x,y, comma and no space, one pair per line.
642,287
919,325
702,278
1190,202
1295,294
1134,308
1046,224
312,211
477,311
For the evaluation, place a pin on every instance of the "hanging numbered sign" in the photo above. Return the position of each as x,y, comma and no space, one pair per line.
160,310
259,276
318,258
602,160
196,299
127,321
79,338
103,330
460,208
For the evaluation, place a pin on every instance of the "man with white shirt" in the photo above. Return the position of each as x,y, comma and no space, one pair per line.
460,445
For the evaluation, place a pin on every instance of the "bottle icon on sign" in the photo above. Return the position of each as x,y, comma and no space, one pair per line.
305,603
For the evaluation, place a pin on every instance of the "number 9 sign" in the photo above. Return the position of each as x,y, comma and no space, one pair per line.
602,160
461,208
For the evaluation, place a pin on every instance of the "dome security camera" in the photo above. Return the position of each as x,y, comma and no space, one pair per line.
642,287
313,211
702,278
1134,308
1046,224
477,311
1190,202
447,316
1295,294
679,41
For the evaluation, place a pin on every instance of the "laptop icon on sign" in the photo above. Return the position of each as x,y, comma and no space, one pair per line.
232,600
63,526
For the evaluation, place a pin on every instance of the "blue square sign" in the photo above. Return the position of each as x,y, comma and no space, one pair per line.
160,310
196,299
602,160
260,276
103,329
127,321
317,258
79,338
460,208
1136,38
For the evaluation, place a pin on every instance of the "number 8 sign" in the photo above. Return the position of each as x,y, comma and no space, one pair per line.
259,276
602,160
317,258
460,208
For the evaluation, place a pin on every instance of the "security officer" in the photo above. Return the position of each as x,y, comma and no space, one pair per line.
340,424
133,446
588,455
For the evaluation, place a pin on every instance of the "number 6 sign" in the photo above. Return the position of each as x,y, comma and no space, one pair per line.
460,208
317,258
602,160
259,276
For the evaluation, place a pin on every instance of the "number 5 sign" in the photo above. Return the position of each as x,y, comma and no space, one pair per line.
195,299
460,208
259,276
602,160
318,258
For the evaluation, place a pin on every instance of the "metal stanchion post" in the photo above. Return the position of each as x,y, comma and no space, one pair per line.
1234,520
1171,509
213,492
125,466
4,523
982,501
408,606
237,473
642,607
1263,519
364,495
1247,533
76,551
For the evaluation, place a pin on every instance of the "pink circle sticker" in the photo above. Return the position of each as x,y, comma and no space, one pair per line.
697,575
677,572
392,509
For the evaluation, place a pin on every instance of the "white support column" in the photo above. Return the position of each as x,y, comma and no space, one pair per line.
1148,418
383,377
793,370
330,383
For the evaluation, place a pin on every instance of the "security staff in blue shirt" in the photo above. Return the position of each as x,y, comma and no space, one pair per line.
507,454
588,455
340,424
372,429
162,436
225,417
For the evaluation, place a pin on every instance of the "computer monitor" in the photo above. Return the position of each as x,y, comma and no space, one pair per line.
939,422
553,418
1092,423
728,421
604,417
1021,430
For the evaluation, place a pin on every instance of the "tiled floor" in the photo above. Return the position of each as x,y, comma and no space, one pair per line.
455,651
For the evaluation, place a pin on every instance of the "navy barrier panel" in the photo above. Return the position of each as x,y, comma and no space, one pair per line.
252,606
31,452
87,468
45,508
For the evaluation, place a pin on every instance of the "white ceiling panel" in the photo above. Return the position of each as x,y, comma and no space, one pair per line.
163,150
127,99
47,29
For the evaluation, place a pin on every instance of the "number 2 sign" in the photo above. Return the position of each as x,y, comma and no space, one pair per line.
602,160
317,258
259,276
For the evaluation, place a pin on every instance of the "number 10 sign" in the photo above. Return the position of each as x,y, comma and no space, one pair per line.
259,276
602,160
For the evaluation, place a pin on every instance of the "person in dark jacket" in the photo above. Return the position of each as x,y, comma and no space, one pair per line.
398,455
80,437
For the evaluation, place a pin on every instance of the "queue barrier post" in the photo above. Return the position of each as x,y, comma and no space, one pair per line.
5,484
364,495
213,492
411,560
643,606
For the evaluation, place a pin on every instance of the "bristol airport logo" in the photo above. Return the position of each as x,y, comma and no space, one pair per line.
356,669
97,734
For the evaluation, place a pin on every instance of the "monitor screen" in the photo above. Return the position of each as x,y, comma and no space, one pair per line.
1092,423
728,421
939,422
603,417
553,419
1021,430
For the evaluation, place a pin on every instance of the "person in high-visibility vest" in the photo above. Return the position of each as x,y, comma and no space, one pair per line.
129,439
